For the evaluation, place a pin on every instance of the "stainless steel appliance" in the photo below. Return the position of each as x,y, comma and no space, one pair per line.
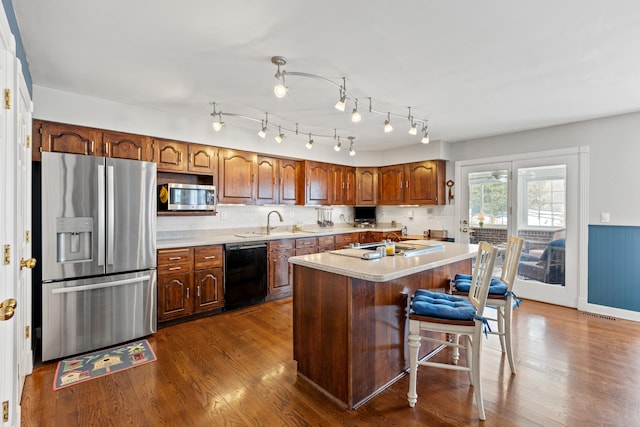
245,274
186,197
99,283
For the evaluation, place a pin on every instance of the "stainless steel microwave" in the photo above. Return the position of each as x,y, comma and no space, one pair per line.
186,197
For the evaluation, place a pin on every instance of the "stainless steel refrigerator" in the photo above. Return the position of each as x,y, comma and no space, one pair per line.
99,282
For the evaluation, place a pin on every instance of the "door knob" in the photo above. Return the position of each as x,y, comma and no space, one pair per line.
29,263
7,308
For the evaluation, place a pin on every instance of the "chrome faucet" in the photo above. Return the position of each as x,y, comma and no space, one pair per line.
269,228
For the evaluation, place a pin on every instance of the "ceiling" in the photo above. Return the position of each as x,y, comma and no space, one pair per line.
471,68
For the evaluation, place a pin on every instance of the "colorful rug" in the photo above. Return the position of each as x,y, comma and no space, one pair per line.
103,362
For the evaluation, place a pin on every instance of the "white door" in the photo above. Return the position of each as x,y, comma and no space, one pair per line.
8,261
24,233
536,197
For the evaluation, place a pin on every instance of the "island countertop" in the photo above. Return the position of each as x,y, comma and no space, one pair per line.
389,267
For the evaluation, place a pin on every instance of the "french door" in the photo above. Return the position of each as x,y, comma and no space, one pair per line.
535,197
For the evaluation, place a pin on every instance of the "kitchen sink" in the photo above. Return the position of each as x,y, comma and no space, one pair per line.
264,234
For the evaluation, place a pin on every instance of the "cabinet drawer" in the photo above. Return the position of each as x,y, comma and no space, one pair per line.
172,257
346,239
306,242
326,241
167,269
306,251
281,245
208,256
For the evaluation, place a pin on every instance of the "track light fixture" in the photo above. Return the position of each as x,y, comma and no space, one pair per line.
279,136
355,115
309,143
217,119
387,124
425,134
341,104
262,133
352,152
413,129
338,144
280,90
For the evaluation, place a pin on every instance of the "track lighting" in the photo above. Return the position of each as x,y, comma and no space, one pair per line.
413,130
217,119
279,136
355,115
352,152
425,134
338,145
280,90
387,124
262,133
341,104
310,143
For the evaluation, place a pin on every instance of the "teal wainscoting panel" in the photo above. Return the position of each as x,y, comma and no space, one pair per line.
614,266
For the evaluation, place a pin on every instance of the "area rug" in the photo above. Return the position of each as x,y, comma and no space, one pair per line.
86,367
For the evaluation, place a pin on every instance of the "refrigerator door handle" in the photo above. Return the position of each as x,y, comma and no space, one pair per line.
115,283
110,216
101,212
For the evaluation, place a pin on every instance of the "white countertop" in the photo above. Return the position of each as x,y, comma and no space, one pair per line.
180,239
389,267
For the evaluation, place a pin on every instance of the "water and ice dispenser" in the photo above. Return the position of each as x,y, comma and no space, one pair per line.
73,237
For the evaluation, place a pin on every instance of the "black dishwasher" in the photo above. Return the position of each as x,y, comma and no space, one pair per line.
245,274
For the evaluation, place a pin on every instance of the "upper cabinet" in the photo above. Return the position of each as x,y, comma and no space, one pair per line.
63,138
237,170
420,183
314,183
366,186
343,185
177,156
126,146
276,181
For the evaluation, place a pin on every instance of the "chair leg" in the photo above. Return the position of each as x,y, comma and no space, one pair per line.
469,346
507,321
501,327
414,347
455,353
475,371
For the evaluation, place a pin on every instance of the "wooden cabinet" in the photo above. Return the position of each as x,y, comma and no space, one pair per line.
326,243
190,281
177,156
346,239
120,145
366,186
64,138
279,270
306,246
314,183
343,185
419,183
208,278
171,156
276,181
237,171
371,237
175,283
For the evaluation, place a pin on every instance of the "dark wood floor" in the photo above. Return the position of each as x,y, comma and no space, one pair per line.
236,369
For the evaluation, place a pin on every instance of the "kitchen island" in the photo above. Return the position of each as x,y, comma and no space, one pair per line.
349,316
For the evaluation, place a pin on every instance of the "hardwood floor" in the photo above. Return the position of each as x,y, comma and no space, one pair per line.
237,369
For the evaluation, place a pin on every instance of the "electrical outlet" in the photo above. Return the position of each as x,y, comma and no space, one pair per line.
292,214
223,216
605,217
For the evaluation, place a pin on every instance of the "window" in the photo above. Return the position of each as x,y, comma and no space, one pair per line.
488,193
543,191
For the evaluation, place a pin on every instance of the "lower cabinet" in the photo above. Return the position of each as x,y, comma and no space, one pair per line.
190,281
279,270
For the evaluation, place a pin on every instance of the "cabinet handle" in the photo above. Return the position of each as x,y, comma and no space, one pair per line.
400,184
175,258
188,296
92,145
179,157
175,268
407,184
107,149
210,257
198,293
191,161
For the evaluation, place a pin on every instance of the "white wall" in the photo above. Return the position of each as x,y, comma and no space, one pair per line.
614,153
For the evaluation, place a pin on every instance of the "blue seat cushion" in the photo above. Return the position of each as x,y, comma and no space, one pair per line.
443,306
496,287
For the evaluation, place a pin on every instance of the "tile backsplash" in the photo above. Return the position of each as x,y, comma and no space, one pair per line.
417,218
